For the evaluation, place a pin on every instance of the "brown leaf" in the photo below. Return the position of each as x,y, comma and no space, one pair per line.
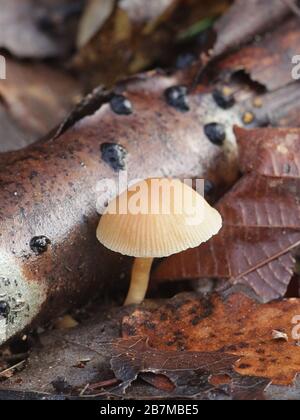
235,324
261,220
245,20
96,341
25,27
36,98
134,356
160,382
268,61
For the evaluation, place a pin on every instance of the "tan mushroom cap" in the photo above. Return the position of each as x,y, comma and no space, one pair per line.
170,221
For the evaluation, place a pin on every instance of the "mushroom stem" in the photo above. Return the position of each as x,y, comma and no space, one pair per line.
139,280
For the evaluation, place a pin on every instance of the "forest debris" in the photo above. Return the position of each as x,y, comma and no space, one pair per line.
255,245
75,150
36,98
279,335
246,20
25,27
98,340
268,61
139,32
65,322
235,324
134,356
9,372
71,165
283,393
95,15
280,108
12,137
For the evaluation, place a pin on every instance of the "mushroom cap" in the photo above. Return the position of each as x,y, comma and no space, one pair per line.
156,218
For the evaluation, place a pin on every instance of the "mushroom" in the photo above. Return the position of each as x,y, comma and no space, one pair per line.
155,218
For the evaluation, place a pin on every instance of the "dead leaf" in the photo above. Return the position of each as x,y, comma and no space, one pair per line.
134,34
245,20
160,382
25,27
283,393
66,322
267,61
235,324
97,341
95,14
279,335
261,220
188,371
36,98
12,136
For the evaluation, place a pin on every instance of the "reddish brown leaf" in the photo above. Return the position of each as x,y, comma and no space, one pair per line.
133,356
268,61
261,220
235,324
247,19
158,381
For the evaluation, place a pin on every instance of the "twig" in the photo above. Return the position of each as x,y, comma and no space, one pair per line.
84,390
104,384
12,367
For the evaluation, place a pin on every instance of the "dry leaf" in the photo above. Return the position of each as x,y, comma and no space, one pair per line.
134,356
247,19
135,34
269,60
261,220
66,322
12,136
95,15
36,98
235,324
169,325
279,335
25,27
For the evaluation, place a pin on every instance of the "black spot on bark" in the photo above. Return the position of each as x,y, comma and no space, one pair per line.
121,105
176,97
216,133
114,155
39,244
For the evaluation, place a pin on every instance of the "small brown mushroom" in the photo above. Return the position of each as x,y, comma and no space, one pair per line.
153,219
